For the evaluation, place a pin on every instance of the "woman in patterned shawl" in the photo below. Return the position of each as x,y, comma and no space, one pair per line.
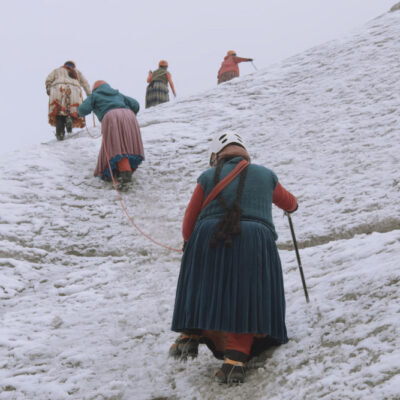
63,85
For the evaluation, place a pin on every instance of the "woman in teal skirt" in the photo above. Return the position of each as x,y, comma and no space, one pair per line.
230,292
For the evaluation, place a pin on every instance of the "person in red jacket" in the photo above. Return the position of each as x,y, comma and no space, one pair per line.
230,292
229,67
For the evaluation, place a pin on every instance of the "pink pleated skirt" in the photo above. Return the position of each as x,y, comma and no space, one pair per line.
121,137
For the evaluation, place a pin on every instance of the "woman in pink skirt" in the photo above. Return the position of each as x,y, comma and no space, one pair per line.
122,145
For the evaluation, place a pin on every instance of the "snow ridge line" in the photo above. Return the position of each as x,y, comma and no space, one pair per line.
364,229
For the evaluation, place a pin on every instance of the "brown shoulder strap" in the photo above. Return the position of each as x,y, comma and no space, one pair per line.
225,182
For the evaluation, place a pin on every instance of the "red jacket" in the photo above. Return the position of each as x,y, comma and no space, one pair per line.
230,63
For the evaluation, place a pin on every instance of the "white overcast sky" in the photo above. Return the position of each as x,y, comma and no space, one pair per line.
120,40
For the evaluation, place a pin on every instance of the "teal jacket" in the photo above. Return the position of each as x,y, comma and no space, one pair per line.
256,202
104,99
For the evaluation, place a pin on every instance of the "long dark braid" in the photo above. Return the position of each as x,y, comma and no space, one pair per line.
229,224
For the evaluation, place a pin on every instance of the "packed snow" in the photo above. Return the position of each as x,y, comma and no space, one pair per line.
87,301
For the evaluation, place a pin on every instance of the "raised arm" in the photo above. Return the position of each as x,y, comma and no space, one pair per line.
83,82
171,83
238,60
86,107
284,199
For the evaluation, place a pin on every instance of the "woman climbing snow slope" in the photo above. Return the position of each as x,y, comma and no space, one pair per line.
230,292
122,142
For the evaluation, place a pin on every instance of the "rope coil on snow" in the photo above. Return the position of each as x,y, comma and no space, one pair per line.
121,200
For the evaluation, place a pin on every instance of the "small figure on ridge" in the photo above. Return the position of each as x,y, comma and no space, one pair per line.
157,90
229,67
63,85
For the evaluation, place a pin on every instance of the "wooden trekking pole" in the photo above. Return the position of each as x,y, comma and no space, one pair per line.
298,257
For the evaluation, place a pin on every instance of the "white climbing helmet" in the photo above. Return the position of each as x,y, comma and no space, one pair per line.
222,140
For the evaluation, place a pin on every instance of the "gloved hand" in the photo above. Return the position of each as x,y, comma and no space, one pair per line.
291,212
250,59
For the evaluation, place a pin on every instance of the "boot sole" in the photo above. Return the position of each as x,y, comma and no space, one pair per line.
183,351
68,125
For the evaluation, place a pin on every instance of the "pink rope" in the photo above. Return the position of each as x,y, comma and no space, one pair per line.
121,200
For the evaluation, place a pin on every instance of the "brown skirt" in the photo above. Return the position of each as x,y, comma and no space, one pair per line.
227,76
121,138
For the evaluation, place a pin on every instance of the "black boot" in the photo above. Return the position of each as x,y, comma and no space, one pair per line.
185,346
68,123
125,176
60,127
232,372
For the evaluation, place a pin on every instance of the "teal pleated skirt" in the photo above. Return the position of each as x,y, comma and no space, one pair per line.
238,289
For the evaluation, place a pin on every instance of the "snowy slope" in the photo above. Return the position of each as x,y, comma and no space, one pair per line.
86,301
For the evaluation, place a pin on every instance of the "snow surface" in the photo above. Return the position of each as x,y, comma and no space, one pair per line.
86,301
